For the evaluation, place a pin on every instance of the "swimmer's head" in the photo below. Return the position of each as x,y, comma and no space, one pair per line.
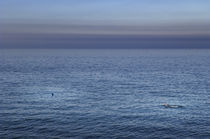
165,104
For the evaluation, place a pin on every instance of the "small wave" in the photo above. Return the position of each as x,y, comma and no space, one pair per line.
56,89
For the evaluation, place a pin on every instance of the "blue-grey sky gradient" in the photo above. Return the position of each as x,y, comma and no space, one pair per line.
105,23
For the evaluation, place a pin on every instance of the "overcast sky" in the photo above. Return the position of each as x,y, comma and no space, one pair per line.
104,24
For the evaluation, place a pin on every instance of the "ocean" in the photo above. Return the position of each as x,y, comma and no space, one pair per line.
78,93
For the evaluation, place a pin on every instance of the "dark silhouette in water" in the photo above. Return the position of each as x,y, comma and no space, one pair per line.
52,94
172,106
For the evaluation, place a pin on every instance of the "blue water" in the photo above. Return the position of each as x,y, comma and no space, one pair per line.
104,93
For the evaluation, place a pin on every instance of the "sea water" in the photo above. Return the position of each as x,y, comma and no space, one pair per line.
104,93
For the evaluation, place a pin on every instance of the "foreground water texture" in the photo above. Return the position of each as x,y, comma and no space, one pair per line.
105,93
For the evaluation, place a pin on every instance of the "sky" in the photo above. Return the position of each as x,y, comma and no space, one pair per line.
104,24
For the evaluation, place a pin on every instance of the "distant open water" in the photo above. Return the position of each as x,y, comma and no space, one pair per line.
104,93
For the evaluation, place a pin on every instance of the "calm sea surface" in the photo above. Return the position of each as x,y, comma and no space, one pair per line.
104,93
